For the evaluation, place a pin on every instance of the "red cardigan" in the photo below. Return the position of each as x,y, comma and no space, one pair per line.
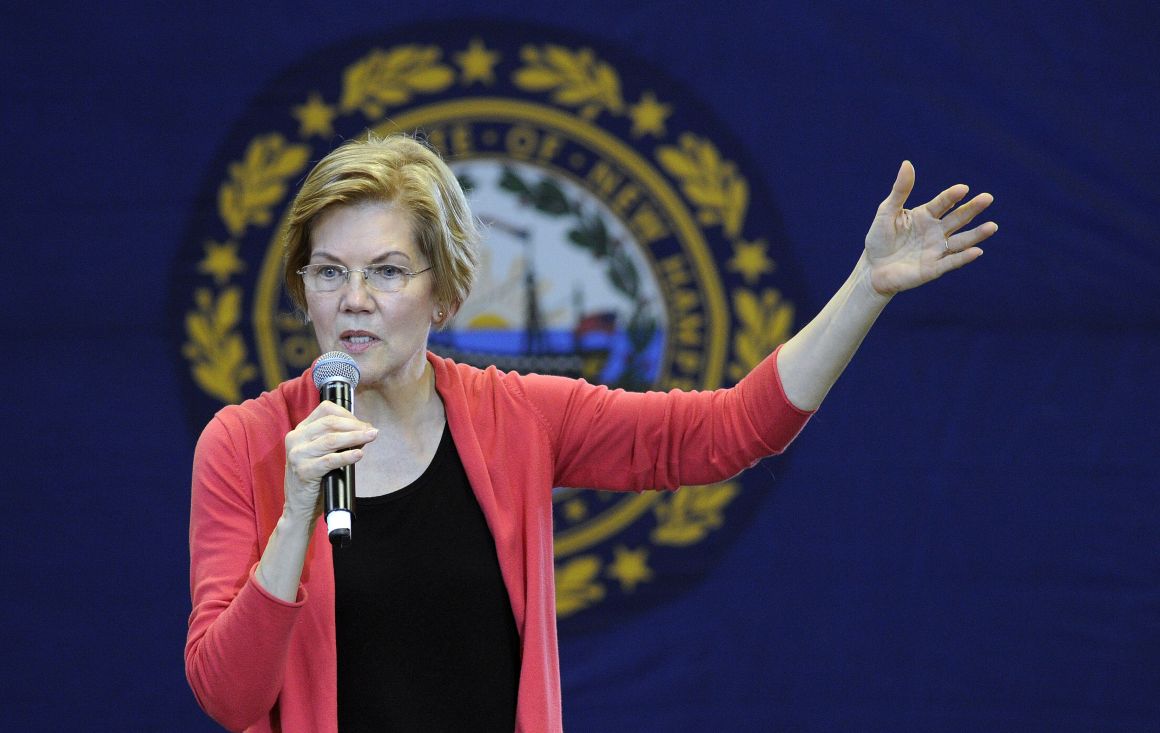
258,663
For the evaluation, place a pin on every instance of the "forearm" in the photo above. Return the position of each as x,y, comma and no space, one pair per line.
240,629
235,656
279,571
811,361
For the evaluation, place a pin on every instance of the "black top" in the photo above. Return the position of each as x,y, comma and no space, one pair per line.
426,636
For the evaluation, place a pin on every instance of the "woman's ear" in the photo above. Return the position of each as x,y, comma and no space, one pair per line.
441,314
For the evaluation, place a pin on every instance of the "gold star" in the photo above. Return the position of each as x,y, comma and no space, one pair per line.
630,567
575,510
750,260
221,261
648,116
315,117
478,63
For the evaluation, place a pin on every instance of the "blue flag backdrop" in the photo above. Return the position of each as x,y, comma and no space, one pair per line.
965,537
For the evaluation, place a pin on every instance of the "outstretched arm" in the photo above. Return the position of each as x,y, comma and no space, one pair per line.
905,248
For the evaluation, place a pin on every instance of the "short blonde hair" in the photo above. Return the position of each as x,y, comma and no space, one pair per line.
397,170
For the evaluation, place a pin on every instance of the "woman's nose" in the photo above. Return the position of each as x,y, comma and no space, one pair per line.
355,293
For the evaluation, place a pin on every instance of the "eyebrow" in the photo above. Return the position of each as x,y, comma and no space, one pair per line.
377,259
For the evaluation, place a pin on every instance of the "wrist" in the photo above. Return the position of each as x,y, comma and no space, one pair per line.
863,277
295,521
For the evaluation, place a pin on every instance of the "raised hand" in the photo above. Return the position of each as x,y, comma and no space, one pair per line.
908,247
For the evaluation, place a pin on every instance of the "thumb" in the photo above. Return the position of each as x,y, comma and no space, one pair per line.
903,184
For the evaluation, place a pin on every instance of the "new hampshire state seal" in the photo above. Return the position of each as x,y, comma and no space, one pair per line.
627,242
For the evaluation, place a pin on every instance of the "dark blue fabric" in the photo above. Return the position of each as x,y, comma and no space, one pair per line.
968,538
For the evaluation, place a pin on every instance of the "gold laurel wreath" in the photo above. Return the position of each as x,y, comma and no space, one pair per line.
218,354
576,584
575,78
713,184
219,361
766,322
384,78
258,182
691,513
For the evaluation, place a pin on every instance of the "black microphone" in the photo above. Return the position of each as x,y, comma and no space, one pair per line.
336,375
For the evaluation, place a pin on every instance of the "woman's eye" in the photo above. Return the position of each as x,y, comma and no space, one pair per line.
326,272
388,272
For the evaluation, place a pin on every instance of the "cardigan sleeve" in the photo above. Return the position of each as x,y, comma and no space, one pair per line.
238,634
613,439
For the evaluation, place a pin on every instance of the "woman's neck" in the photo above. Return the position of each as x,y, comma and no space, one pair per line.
407,399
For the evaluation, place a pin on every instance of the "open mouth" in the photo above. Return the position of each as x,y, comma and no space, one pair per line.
354,342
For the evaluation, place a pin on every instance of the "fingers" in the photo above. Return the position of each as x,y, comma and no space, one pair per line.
963,215
322,433
327,408
309,461
946,200
331,461
966,240
939,205
330,418
329,435
329,438
903,184
955,260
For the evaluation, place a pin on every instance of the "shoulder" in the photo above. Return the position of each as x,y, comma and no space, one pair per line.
495,401
454,378
269,415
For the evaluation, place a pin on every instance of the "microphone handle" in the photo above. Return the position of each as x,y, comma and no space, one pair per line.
338,504
338,485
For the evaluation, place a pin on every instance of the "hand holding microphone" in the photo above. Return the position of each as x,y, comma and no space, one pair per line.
322,450
336,375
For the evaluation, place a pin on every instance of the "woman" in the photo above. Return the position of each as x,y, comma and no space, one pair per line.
440,615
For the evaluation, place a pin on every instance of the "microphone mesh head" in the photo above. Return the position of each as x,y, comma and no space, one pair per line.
335,364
